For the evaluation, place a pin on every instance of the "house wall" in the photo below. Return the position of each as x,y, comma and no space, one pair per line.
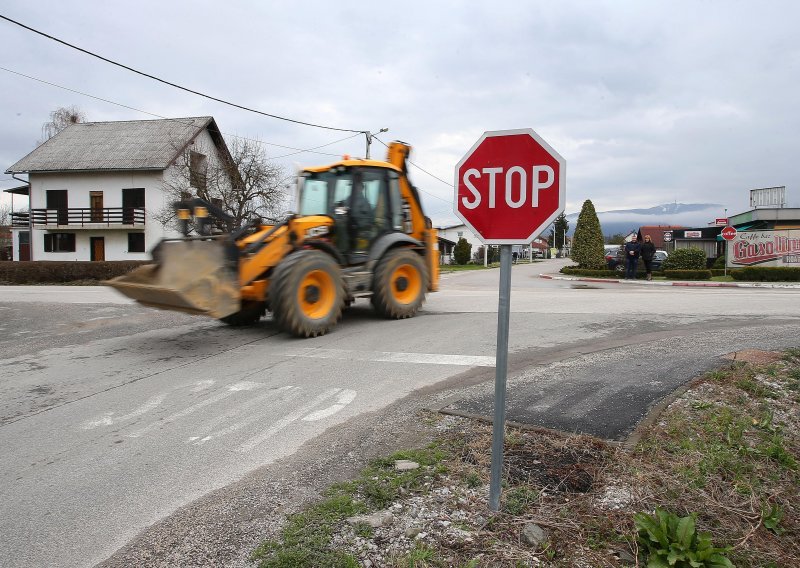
158,198
458,231
78,186
176,177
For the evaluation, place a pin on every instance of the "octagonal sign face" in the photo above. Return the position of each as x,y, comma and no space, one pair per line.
510,186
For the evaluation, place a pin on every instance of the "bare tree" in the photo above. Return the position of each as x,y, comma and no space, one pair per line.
243,183
59,120
5,214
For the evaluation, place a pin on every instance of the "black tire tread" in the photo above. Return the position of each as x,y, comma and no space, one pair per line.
286,313
382,298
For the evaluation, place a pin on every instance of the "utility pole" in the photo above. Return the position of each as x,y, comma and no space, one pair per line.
369,136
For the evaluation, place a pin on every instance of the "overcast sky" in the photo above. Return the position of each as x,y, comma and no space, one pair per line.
649,102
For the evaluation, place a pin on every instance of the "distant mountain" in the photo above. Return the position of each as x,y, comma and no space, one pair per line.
624,220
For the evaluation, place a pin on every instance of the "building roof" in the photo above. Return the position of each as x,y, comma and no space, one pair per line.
656,233
122,145
20,190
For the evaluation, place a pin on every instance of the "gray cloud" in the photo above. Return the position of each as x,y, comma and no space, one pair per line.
649,102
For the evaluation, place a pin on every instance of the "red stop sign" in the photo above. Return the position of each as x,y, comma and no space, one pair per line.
728,233
510,186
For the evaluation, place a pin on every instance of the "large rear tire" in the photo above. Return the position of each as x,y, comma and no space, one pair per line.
307,293
250,313
399,285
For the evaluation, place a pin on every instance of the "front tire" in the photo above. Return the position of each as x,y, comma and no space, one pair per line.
399,284
307,293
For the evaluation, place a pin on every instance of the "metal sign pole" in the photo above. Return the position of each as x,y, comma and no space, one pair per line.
725,271
726,258
501,371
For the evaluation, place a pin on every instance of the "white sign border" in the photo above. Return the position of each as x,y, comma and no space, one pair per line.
562,185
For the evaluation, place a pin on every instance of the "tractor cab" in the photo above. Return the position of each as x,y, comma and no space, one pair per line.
363,199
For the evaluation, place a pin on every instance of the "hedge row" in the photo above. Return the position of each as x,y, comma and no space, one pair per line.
688,274
59,272
670,274
575,271
767,274
604,273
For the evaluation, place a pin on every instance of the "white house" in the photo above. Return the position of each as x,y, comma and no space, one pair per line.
455,232
95,187
452,234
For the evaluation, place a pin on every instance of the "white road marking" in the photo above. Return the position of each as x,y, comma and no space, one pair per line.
108,418
392,357
231,389
203,385
278,396
342,399
279,425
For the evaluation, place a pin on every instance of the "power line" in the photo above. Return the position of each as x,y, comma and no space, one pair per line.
425,171
298,150
171,84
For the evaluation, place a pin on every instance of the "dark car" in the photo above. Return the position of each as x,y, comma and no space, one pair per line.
616,261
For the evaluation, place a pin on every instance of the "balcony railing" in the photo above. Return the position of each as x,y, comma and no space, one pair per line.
20,219
80,217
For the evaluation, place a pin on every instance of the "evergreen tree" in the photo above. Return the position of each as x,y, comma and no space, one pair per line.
462,251
560,227
587,243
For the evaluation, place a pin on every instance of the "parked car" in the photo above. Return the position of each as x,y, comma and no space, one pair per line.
612,252
616,260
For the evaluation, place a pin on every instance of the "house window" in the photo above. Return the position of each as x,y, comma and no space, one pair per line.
59,242
132,205
135,242
198,167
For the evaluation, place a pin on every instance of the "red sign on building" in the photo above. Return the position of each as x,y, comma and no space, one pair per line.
728,233
510,186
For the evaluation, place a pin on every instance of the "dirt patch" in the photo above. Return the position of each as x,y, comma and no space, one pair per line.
725,452
755,356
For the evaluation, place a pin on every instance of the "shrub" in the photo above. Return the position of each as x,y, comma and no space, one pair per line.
462,251
688,274
492,254
686,259
767,274
719,262
575,271
669,540
59,272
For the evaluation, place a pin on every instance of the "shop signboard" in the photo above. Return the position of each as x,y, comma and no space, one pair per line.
764,248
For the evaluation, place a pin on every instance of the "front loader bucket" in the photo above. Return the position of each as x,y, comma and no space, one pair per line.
194,276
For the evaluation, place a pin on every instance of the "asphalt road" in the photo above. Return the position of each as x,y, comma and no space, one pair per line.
115,418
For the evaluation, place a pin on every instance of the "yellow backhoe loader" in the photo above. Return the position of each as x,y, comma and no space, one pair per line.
359,231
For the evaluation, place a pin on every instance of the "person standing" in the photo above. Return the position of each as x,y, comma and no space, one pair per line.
648,252
632,251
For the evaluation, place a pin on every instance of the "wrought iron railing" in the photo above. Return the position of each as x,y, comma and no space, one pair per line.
80,217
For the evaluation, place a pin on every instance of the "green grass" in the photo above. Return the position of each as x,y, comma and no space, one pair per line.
305,541
519,499
727,457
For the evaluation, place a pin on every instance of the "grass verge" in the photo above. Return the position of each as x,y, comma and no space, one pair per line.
714,481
